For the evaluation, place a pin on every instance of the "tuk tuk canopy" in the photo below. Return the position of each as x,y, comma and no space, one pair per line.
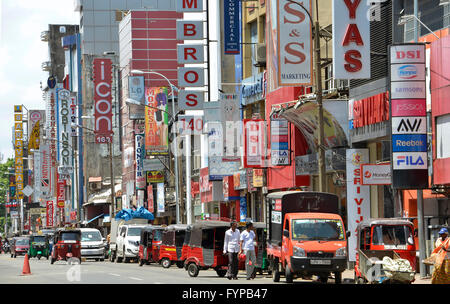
208,234
174,235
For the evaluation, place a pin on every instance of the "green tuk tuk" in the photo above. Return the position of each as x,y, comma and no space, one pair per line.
39,246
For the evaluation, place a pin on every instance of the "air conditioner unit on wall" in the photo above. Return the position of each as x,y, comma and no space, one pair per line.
95,185
260,54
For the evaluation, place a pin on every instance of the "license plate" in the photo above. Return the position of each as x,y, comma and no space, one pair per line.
320,262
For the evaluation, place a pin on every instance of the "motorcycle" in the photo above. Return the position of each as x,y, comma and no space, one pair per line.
6,248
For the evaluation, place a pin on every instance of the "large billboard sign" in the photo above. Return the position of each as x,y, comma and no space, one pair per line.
351,39
103,100
408,116
295,47
64,132
156,121
18,149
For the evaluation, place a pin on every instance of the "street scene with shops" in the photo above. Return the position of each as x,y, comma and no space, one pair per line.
265,142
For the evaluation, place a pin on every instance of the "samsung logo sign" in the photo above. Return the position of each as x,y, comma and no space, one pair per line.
407,71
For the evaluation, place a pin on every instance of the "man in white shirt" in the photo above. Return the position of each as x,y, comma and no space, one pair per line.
248,246
231,246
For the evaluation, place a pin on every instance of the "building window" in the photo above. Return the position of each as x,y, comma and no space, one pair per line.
442,138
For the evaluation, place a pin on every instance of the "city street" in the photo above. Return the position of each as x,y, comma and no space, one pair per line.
92,272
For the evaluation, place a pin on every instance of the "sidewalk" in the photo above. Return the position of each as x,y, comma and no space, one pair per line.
348,275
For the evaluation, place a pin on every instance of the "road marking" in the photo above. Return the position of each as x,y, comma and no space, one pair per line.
114,274
137,279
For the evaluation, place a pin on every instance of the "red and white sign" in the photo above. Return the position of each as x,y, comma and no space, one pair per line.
255,143
185,6
103,100
187,124
190,53
408,107
189,30
191,77
49,214
150,199
45,169
407,53
376,174
358,196
61,193
190,100
351,39
294,44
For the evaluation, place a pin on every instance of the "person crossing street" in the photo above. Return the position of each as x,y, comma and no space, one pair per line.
231,247
248,238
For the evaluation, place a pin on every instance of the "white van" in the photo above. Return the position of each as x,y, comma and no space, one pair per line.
92,244
127,241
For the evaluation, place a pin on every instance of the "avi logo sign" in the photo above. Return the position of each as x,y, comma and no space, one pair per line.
409,161
409,125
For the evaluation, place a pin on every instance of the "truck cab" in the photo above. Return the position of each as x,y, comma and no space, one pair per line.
306,236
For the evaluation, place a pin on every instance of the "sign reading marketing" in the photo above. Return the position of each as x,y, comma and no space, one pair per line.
294,43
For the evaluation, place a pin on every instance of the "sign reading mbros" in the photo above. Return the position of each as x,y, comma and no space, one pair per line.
294,43
103,100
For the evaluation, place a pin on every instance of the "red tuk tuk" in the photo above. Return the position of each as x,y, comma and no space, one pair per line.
66,245
172,245
377,238
149,244
205,248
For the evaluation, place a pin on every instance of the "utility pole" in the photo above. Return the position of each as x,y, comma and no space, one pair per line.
113,204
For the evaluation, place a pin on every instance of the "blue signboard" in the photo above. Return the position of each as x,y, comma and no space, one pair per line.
409,143
243,208
231,21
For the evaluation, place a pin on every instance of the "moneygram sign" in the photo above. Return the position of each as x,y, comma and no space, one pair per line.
408,116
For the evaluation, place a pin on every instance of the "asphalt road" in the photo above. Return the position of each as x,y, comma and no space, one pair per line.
92,272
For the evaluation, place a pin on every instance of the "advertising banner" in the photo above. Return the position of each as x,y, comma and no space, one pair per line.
45,175
295,45
254,143
50,211
64,130
136,88
376,174
409,144
231,25
358,196
61,193
160,197
156,121
150,199
103,100
37,171
155,177
140,177
279,141
18,151
351,39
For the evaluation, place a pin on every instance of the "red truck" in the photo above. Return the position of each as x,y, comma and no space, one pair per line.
306,236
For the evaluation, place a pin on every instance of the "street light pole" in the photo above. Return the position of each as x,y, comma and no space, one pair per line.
319,96
177,196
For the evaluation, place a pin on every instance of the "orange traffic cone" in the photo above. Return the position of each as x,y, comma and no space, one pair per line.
26,266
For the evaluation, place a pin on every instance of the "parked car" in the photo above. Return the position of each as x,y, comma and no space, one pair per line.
19,246
127,242
92,244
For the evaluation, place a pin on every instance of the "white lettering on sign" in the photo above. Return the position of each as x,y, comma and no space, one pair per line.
351,39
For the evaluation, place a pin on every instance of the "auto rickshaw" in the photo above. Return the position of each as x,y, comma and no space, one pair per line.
379,238
171,246
149,244
66,245
39,246
205,248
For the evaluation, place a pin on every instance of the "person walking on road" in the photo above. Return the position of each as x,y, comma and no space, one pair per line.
248,247
441,272
231,247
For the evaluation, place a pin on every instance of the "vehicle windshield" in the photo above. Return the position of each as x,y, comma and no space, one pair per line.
91,236
317,229
22,242
70,236
39,239
392,235
134,231
157,235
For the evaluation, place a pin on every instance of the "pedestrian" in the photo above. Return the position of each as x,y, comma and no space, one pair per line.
231,247
248,247
441,272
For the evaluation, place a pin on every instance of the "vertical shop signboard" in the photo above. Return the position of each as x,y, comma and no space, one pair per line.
18,149
408,116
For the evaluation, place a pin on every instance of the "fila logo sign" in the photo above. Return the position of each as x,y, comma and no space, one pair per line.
409,125
409,161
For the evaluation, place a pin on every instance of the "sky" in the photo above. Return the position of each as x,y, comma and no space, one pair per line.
21,55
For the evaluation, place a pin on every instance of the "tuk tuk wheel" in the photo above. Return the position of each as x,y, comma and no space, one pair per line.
180,264
165,262
288,274
39,257
323,279
192,270
338,277
276,271
221,272
52,261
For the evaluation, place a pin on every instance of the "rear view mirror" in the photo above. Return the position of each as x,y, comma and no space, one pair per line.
348,233
286,233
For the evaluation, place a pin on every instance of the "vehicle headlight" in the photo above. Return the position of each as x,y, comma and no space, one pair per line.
299,252
341,252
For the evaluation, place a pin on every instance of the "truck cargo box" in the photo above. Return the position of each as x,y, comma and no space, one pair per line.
280,203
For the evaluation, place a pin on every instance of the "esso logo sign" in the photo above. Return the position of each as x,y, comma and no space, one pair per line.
408,107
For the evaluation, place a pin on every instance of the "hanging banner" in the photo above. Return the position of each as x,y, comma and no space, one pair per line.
150,199
73,114
49,214
136,88
358,196
160,197
61,193
37,171
64,130
102,100
45,175
18,150
139,156
231,25
254,143
295,45
279,141
351,39
155,177
156,121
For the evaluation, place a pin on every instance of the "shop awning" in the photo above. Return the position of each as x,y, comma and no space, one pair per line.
305,116
102,196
